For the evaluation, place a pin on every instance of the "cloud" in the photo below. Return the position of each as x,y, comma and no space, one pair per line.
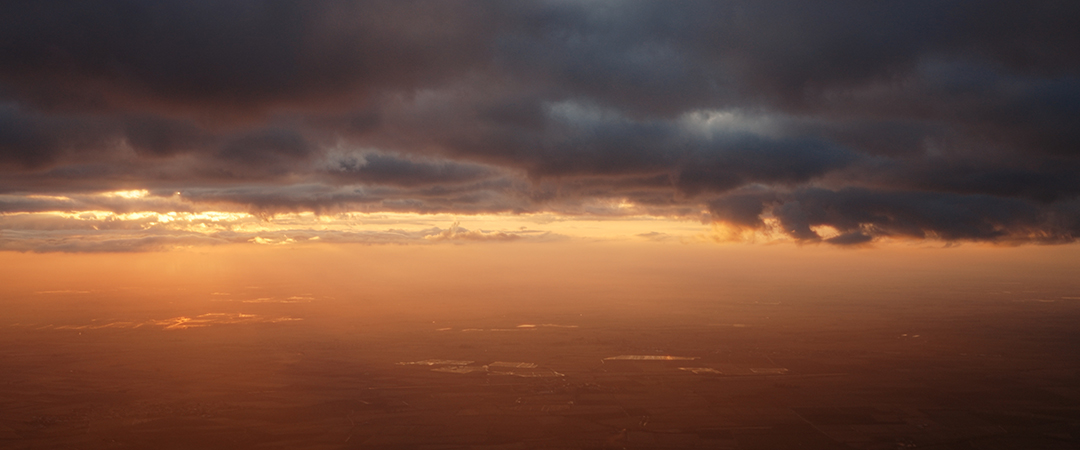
233,57
457,233
860,215
83,244
30,140
377,168
89,232
655,236
947,120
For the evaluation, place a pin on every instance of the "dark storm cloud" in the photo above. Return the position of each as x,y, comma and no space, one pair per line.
741,209
952,120
1040,179
157,136
237,57
581,140
387,169
31,141
861,215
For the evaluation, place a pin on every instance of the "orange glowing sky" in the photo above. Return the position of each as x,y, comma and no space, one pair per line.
489,272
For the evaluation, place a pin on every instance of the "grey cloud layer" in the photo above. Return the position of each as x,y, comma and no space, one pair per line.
89,233
947,120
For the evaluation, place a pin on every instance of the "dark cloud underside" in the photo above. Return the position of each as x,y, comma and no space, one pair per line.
949,120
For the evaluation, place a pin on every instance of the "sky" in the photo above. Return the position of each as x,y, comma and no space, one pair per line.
134,126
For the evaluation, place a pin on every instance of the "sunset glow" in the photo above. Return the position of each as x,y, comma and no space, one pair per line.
564,224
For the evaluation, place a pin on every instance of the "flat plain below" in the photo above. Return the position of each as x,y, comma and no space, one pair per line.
938,367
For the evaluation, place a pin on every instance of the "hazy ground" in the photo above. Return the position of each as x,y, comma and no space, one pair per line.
875,351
